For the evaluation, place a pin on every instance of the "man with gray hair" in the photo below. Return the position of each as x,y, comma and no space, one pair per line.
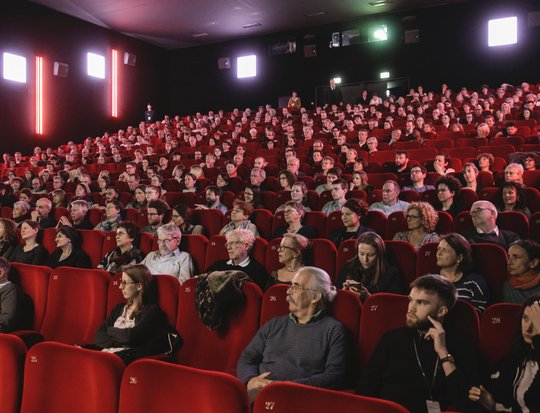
168,259
390,201
239,244
307,346
10,300
42,213
484,218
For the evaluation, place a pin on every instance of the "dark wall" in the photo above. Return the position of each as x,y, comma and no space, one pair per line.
77,104
453,49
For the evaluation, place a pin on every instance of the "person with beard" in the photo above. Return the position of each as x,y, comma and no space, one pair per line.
424,366
213,199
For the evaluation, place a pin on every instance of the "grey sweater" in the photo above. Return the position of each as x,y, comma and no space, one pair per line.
9,306
314,353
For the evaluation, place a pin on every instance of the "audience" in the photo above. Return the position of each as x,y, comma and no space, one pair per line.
181,216
43,214
511,197
78,213
293,253
113,215
448,188
523,271
421,222
9,238
299,193
21,212
339,191
353,213
156,212
418,175
30,252
68,251
293,214
390,201
125,253
240,214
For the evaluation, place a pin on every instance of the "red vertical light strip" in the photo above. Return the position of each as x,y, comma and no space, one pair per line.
114,84
39,95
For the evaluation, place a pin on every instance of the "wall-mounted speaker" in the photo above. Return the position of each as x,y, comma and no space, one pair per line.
130,59
224,63
61,69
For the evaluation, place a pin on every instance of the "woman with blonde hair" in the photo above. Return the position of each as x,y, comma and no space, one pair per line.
421,222
293,253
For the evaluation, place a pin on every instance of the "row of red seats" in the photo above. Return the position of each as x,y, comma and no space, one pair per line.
37,381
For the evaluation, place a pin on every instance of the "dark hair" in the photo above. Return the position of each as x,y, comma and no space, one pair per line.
334,171
160,206
462,247
522,351
256,195
133,230
140,274
439,285
341,182
72,234
10,230
118,205
451,182
244,206
215,189
185,212
520,192
532,248
354,266
359,207
291,178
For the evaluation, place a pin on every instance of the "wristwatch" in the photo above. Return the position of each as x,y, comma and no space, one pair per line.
449,358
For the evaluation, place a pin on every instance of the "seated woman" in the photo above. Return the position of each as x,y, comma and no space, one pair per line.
360,182
181,216
252,196
38,186
21,212
421,222
68,252
139,202
353,213
293,214
470,175
286,180
125,253
25,195
485,162
511,197
82,192
369,271
31,252
293,253
454,258
513,385
190,183
10,300
103,183
240,219
440,164
8,237
132,329
113,215
178,173
523,271
59,198
222,181
447,188
298,194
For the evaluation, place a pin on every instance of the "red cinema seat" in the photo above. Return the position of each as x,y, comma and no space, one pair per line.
377,221
490,261
210,349
380,313
12,354
396,222
64,378
445,224
463,222
345,253
210,219
463,318
196,245
286,397
92,244
76,305
278,220
426,261
109,243
534,226
489,194
96,215
48,235
499,327
34,283
216,250
153,386
262,218
324,255
333,222
467,197
514,221
403,255
59,213
133,215
146,243
272,261
317,220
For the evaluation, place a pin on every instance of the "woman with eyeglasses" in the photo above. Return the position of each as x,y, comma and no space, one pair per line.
421,222
293,214
293,253
134,328
125,253
448,189
68,252
181,216
369,272
514,384
240,214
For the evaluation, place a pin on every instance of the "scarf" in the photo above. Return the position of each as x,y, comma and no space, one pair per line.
526,281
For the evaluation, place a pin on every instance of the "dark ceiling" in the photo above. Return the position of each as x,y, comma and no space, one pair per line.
175,24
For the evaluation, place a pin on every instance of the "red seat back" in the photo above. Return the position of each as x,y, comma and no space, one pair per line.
12,354
403,255
92,244
196,245
490,261
426,261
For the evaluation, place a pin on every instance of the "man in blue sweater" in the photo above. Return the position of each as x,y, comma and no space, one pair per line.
307,346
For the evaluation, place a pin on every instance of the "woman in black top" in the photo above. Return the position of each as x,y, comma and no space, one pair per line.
69,252
353,212
31,252
369,272
8,237
125,253
181,216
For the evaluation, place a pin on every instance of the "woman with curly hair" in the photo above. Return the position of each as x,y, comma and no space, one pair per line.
448,188
421,222
511,197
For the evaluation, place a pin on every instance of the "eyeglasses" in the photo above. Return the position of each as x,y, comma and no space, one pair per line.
478,210
412,216
166,241
124,283
285,247
233,243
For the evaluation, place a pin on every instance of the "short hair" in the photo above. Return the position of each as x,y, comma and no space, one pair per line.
245,235
402,152
10,230
160,206
302,244
451,182
302,186
429,216
262,172
334,171
461,247
133,230
341,182
487,155
532,248
215,189
244,206
437,284
359,207
328,158
391,181
421,167
72,234
23,205
469,165
297,206
517,166
117,204
321,283
81,203
170,229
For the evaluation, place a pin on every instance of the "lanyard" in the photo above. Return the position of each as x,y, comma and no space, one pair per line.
430,388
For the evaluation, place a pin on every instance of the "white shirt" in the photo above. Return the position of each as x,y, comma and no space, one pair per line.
178,263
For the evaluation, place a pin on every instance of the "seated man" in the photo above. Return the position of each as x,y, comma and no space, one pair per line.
213,199
10,300
422,366
239,244
513,173
79,216
168,259
156,212
42,214
284,348
484,218
401,163
390,201
339,191
418,175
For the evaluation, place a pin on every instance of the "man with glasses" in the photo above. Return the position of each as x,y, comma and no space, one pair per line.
307,346
484,219
239,244
418,175
168,259
156,212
